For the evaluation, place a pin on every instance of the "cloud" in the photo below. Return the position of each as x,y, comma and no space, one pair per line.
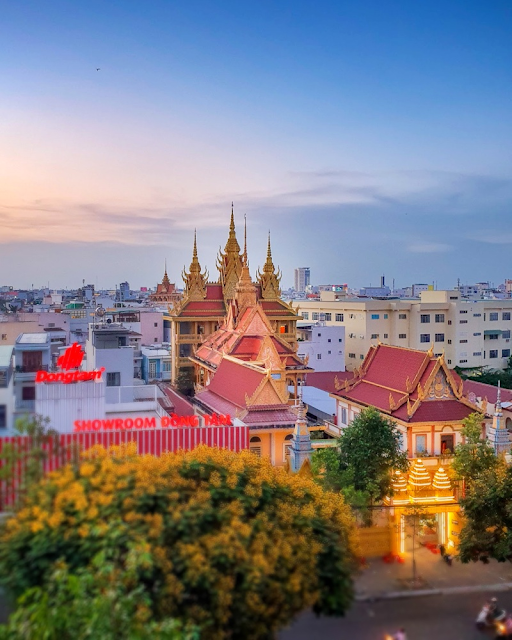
497,237
428,247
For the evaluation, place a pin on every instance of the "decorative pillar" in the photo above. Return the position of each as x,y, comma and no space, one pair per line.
497,433
300,449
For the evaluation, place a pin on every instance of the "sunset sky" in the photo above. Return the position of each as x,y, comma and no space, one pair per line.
370,137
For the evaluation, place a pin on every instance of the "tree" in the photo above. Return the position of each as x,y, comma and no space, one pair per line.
487,530
369,449
226,542
103,602
475,456
22,467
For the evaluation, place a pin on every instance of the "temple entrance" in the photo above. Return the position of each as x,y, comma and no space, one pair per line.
421,530
447,441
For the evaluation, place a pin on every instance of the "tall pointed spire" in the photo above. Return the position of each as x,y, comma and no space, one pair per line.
497,408
269,279
195,280
300,448
166,282
229,261
245,258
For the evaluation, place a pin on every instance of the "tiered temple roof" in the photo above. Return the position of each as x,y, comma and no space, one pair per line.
411,386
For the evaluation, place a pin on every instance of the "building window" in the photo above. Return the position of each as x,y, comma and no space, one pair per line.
28,393
477,353
425,318
386,316
340,340
385,335
494,336
113,379
200,329
343,415
463,341
439,337
156,324
339,317
351,355
463,321
4,336
328,340
506,315
319,335
402,336
449,361
166,365
421,444
328,317
493,316
493,353
255,446
305,315
477,315
463,311
315,316
449,341
478,333
374,336
318,356
361,357
3,416
439,317
375,316
402,316
329,353
505,353
506,334
425,337
461,361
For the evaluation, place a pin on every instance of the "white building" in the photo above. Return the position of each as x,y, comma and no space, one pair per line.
471,333
6,388
324,345
32,353
302,278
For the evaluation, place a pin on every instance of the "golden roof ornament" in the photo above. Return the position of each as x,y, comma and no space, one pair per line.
269,278
420,482
442,486
230,261
195,280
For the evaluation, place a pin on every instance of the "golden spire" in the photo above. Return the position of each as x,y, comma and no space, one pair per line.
195,281
165,281
229,261
245,258
269,279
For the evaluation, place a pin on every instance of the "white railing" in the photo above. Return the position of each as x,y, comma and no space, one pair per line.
138,398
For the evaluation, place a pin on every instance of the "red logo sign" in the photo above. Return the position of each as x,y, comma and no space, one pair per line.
71,358
126,424
69,362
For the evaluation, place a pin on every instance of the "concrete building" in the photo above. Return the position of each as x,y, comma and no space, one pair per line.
156,363
32,353
6,388
302,278
471,333
323,345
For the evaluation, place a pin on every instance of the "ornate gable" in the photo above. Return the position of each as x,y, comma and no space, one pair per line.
267,394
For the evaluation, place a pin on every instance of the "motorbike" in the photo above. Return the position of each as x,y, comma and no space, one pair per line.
504,628
489,619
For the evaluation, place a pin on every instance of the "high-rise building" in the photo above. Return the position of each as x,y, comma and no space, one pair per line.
302,278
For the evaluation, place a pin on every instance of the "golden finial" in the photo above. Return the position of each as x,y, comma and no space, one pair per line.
245,258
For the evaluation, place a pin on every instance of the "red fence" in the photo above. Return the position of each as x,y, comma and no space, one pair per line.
154,442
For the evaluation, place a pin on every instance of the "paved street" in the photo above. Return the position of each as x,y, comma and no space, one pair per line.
449,617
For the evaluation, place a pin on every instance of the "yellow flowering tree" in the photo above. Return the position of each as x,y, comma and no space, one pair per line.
223,541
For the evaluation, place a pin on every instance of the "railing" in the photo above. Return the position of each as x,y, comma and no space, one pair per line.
25,405
31,368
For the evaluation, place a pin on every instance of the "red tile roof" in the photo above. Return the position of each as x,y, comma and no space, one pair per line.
489,391
233,381
391,366
275,416
437,411
182,406
324,380
214,291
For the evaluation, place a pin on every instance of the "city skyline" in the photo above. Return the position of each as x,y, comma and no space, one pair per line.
369,140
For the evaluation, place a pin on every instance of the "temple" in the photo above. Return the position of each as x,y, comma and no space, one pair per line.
165,291
206,305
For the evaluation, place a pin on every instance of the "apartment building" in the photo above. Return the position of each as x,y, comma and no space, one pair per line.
471,333
323,345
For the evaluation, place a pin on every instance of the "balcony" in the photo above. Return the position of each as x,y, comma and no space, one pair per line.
31,368
25,406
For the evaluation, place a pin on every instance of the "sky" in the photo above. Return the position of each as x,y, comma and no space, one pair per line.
368,137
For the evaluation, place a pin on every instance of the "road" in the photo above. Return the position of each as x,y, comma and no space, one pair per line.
450,617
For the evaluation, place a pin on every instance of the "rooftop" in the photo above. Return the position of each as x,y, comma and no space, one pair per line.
32,338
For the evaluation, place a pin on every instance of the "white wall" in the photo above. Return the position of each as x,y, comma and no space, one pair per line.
325,347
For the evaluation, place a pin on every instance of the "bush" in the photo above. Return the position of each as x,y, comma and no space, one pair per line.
219,540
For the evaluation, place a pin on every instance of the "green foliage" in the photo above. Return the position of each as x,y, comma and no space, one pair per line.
488,375
103,602
360,467
487,531
476,456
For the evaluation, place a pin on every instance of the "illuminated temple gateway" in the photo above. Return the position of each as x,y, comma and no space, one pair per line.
205,305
